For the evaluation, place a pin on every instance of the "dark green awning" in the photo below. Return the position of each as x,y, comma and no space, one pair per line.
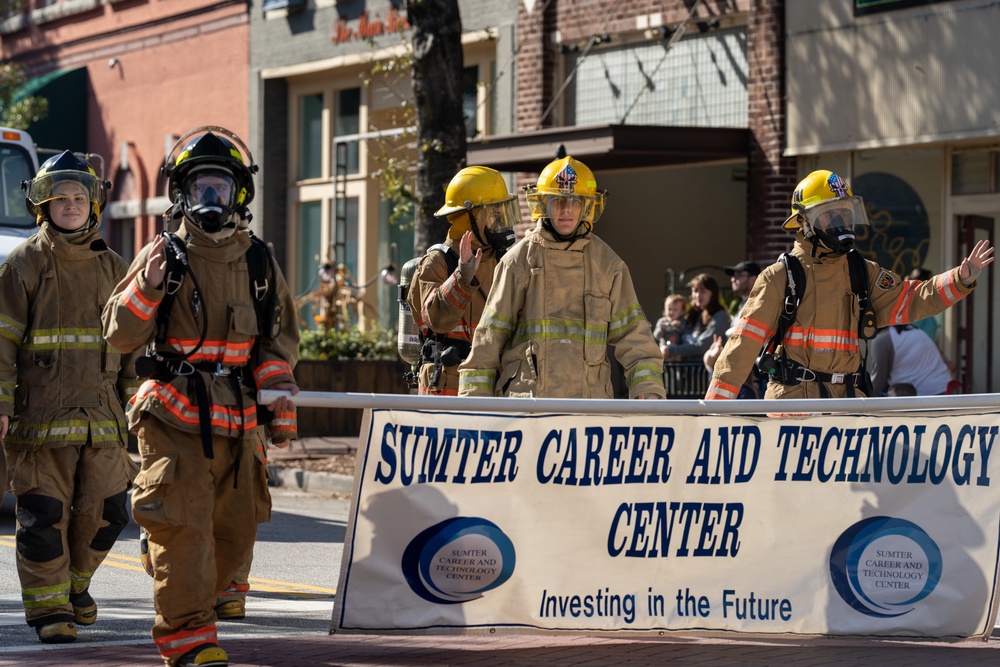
65,128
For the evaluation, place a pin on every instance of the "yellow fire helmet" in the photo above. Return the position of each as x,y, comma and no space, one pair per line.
826,211
566,178
65,167
480,193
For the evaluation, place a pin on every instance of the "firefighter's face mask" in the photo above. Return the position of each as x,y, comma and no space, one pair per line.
209,199
833,222
497,220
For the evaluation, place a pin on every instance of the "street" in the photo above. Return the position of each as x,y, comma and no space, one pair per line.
294,575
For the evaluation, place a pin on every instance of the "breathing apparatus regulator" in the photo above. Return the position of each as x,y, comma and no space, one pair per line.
408,337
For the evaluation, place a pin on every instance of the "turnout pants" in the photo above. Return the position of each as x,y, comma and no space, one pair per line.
71,507
201,515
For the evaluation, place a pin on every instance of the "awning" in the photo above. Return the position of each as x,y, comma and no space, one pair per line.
65,128
604,147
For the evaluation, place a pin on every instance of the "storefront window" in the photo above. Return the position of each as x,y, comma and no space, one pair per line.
310,234
310,136
347,122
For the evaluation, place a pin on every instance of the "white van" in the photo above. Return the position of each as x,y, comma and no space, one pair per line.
18,162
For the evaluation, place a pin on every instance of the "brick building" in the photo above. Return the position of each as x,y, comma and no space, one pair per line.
124,80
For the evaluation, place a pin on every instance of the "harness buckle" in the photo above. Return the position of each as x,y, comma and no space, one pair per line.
804,374
260,291
837,378
173,283
791,305
181,367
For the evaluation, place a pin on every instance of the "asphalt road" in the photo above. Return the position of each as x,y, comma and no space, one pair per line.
293,579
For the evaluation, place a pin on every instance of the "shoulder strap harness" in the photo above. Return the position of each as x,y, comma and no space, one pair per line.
165,366
788,372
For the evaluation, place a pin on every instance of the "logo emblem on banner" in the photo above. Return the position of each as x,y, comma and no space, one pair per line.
883,566
458,560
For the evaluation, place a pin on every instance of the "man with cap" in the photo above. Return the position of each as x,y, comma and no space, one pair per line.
742,276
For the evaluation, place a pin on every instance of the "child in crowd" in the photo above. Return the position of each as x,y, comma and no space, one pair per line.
670,328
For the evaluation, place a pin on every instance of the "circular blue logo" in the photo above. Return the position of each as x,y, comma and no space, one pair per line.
458,560
883,566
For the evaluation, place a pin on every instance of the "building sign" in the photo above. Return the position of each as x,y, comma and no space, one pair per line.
369,28
862,7
876,525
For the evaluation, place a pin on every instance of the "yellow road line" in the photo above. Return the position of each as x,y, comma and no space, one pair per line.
123,562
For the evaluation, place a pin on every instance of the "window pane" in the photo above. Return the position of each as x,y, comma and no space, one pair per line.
970,173
347,122
311,136
470,80
310,226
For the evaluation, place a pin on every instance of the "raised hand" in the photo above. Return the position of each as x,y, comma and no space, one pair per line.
980,257
468,263
156,265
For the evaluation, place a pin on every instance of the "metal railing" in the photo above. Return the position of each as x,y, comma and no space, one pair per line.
685,379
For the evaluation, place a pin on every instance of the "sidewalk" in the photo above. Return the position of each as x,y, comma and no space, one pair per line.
546,649
285,473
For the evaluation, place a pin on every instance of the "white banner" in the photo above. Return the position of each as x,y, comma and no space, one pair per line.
823,525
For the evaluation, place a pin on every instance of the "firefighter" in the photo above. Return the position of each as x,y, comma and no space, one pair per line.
450,286
202,490
62,394
818,354
560,297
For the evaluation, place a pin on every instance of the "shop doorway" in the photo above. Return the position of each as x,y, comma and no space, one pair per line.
977,335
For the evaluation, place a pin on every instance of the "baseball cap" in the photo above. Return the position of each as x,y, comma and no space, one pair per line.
749,267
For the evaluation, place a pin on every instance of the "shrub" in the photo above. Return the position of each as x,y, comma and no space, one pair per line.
373,343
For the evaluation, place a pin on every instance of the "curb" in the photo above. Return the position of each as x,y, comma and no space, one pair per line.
308,480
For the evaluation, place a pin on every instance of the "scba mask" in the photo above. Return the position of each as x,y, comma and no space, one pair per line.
833,222
498,221
209,199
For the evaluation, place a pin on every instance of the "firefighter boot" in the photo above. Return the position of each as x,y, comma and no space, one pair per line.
63,632
84,607
206,655
233,610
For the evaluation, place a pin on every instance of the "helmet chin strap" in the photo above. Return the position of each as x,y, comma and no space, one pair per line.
547,224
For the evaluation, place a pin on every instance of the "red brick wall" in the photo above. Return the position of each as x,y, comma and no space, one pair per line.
771,177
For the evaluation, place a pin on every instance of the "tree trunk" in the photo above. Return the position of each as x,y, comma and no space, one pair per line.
437,92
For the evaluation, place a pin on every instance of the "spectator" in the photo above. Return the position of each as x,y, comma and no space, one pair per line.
742,278
671,327
706,319
561,298
902,389
904,354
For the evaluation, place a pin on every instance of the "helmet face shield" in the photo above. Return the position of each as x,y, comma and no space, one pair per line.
43,188
498,216
498,220
833,222
587,208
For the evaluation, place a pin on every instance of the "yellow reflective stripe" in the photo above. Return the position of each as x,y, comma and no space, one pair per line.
71,430
51,339
47,596
477,379
491,319
645,373
11,329
626,320
80,579
573,330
